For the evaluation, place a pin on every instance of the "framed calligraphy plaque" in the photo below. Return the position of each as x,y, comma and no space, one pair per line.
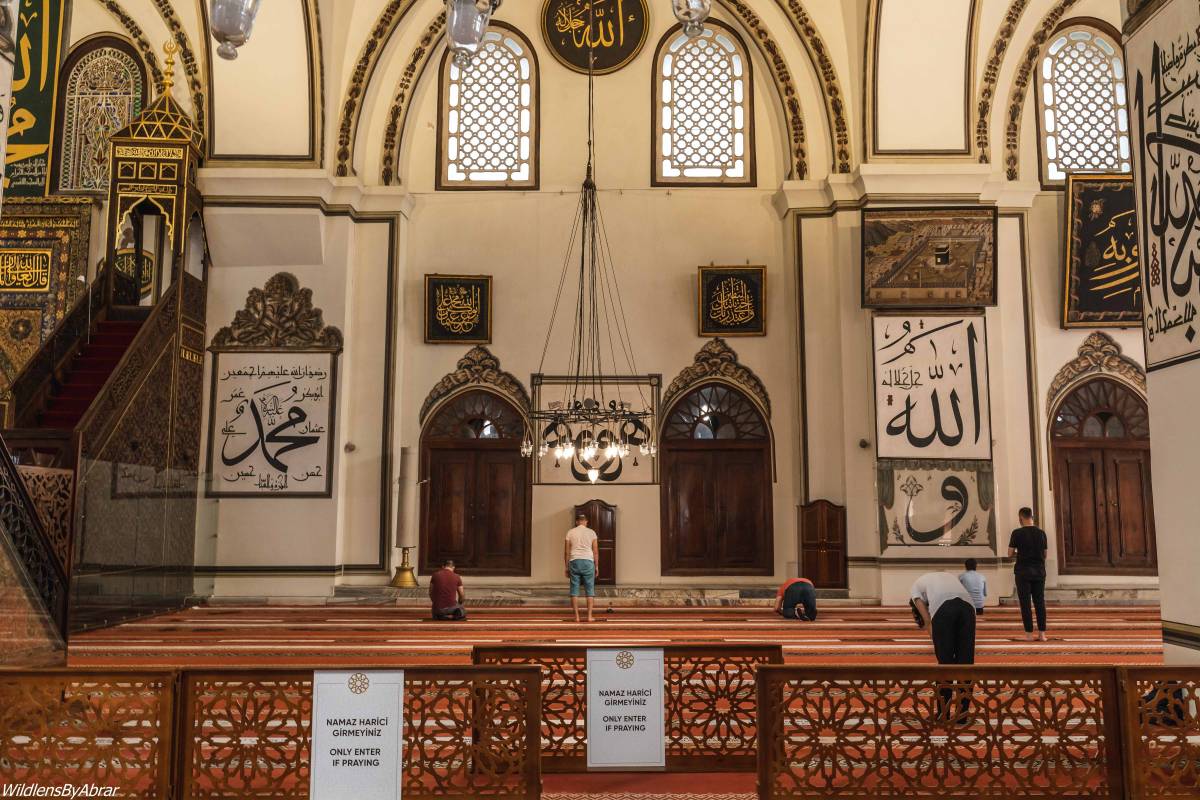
931,386
273,397
731,301
1102,281
936,503
640,392
929,257
270,430
458,309
614,29
1164,86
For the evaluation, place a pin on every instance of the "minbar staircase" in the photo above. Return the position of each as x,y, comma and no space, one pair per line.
86,374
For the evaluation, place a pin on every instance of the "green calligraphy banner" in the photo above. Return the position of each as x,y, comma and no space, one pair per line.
40,44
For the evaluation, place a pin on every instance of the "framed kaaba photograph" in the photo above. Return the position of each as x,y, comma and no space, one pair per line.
731,301
1102,285
458,309
929,257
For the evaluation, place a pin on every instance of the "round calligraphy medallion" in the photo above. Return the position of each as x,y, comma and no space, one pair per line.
615,29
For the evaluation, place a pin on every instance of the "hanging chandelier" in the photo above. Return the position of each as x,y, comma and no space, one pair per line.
466,23
691,15
595,423
231,22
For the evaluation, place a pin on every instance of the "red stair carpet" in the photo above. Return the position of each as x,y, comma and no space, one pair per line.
95,361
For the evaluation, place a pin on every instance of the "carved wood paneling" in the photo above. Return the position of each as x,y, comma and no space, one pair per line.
717,361
466,734
477,368
53,495
106,729
1162,732
710,703
955,733
281,314
1098,355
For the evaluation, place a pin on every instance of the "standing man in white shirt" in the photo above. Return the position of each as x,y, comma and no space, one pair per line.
581,554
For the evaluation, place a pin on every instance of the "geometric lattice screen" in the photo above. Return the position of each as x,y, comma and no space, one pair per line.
1084,122
489,116
703,110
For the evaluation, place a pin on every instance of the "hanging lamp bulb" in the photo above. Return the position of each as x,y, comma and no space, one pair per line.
692,14
593,475
466,23
231,22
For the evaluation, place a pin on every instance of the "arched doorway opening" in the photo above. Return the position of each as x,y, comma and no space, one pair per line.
1100,447
476,495
716,485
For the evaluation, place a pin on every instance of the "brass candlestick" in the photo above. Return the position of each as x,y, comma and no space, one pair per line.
404,578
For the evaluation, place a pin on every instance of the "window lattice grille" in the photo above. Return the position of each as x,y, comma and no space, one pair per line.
1084,123
714,411
103,93
703,109
489,116
1101,409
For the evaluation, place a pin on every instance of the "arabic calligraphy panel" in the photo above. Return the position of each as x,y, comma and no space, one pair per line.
731,301
458,309
271,425
942,503
641,392
614,29
1102,282
931,386
929,257
1163,56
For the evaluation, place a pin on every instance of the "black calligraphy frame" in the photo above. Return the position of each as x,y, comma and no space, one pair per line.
547,39
931,213
1073,255
333,353
426,298
652,381
704,326
964,314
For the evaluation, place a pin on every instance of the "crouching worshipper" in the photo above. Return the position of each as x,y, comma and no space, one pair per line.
446,593
797,599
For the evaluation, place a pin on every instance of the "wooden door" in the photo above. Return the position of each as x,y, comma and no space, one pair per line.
602,518
449,510
475,488
1130,515
1102,488
716,486
823,545
1082,512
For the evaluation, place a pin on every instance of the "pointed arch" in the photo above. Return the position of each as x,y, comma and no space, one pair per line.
1099,355
478,368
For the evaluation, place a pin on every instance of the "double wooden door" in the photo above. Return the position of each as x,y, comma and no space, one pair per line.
475,508
716,506
1105,511
823,545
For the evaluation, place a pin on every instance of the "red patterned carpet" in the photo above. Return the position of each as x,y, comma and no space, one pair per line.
390,635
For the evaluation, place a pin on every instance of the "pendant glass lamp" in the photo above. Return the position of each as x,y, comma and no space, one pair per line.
692,14
466,23
231,22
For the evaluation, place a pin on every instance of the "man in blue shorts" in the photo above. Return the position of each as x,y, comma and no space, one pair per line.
581,554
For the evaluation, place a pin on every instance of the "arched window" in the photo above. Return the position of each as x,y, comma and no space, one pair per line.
489,116
103,87
1083,124
703,109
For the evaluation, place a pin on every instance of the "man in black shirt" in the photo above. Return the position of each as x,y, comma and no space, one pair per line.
1028,543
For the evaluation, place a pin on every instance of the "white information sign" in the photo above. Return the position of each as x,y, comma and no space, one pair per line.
625,716
357,735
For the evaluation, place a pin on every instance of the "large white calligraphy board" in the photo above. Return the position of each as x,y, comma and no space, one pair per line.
931,387
357,735
271,424
1164,89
